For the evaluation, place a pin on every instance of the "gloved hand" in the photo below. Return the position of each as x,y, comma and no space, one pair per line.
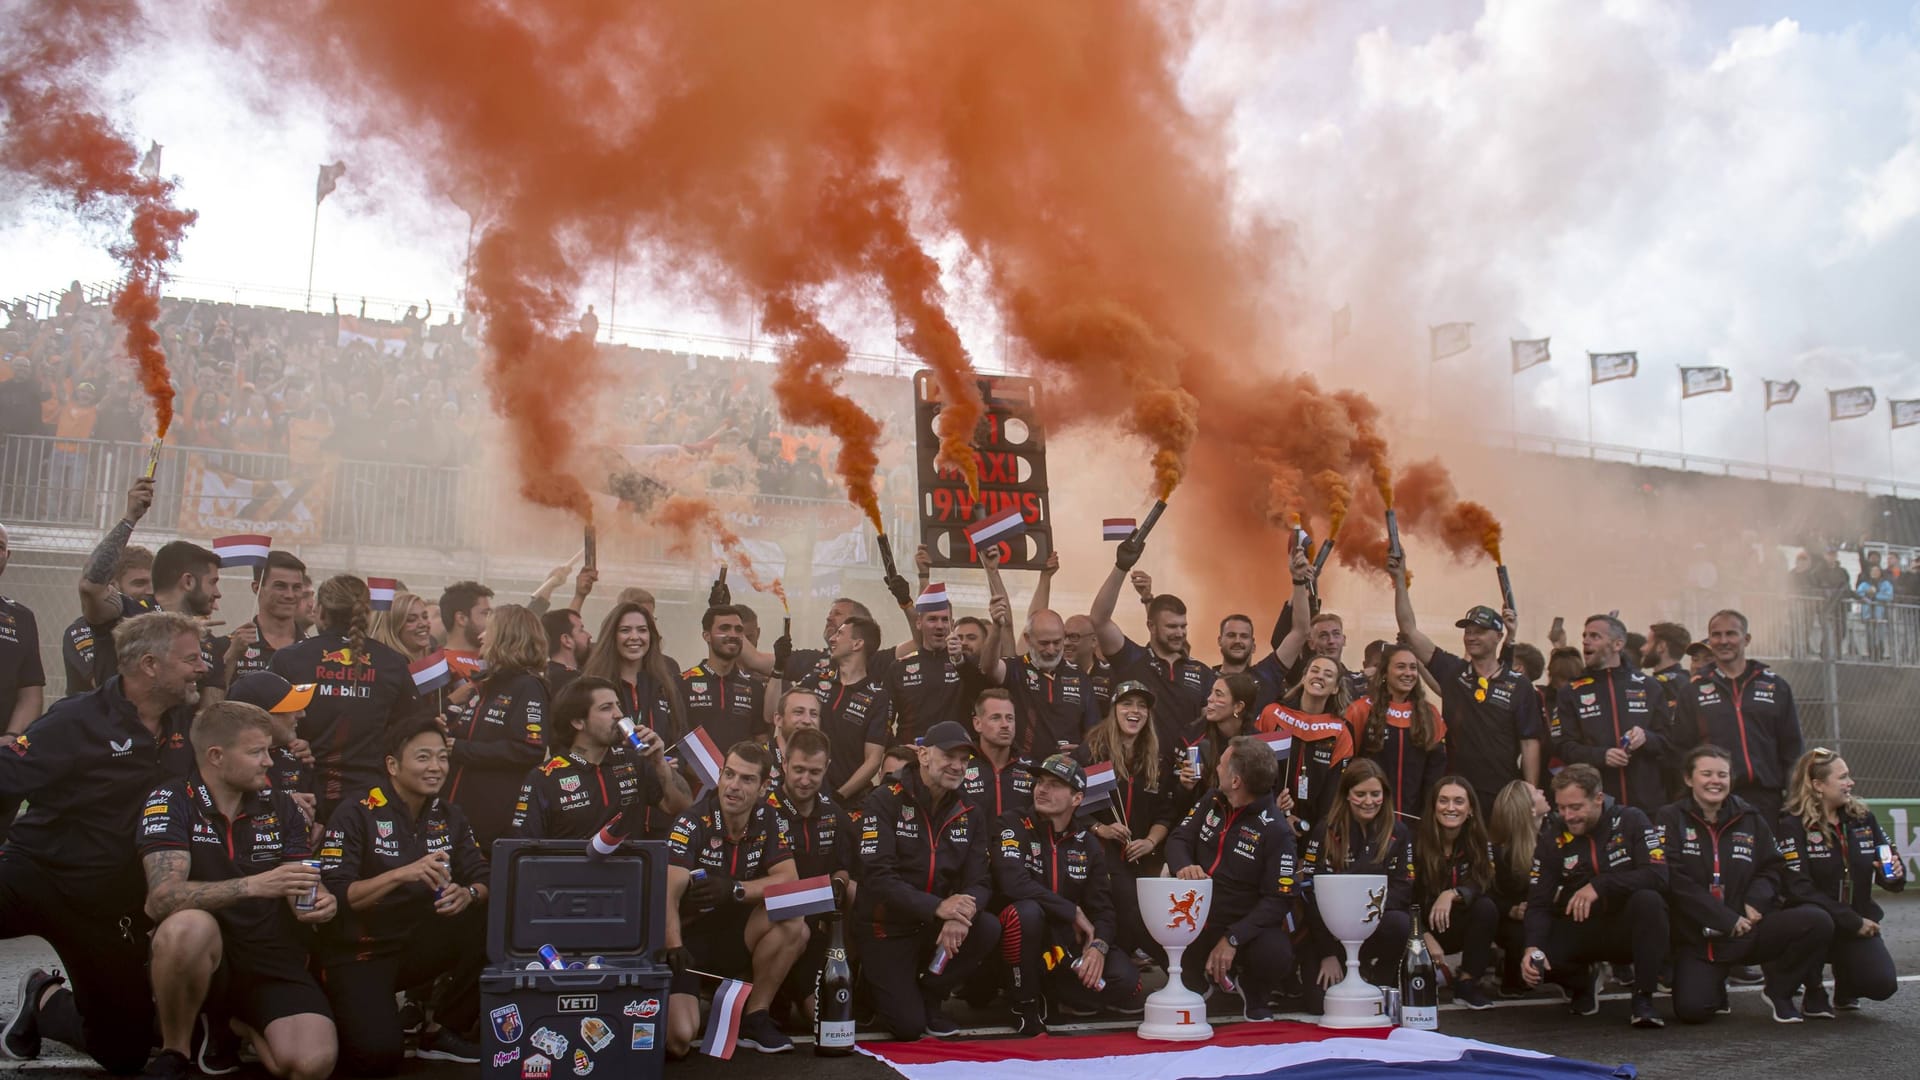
711,891
902,592
1128,553
782,652
679,958
719,595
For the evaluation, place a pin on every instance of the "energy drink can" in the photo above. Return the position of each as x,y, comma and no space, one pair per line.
576,965
1098,984
1626,742
312,899
595,963
1888,867
939,962
551,956
1193,757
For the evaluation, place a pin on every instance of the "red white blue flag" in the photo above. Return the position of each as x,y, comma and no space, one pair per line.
793,899
1117,528
430,673
723,1022
1100,782
381,590
247,549
934,598
704,755
1004,525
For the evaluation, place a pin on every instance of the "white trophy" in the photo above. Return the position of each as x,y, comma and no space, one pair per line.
1350,906
1174,911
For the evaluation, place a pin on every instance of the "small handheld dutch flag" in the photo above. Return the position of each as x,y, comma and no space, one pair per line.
723,1022
1279,742
430,672
246,549
809,896
1118,528
381,589
703,755
1004,525
1100,784
933,599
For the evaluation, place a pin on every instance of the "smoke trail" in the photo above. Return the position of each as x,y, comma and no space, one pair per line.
687,515
807,395
58,141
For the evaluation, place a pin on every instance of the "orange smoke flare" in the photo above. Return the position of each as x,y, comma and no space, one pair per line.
688,515
808,396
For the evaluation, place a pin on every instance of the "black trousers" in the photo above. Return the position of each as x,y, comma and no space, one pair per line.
1026,934
901,989
1379,954
1862,967
1470,932
99,929
372,1042
1788,945
1634,933
1259,965
1130,927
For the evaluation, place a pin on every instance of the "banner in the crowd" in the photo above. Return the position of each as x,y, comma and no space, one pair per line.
1905,413
1013,477
1782,393
1695,381
215,501
1530,352
1901,819
1283,1050
1450,339
1608,366
1850,402
384,337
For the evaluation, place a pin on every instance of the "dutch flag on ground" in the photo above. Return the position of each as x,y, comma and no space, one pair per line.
1004,525
1099,786
247,549
381,589
704,755
723,1023
808,896
934,598
1118,528
430,672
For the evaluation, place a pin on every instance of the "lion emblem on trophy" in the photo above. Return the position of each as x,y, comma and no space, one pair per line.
1183,910
1376,898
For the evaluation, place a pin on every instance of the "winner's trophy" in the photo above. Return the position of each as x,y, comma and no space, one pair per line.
1350,906
1174,911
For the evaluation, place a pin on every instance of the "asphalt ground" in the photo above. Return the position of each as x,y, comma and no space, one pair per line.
1877,1041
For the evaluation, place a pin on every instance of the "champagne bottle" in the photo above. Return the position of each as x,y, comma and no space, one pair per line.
1419,990
833,997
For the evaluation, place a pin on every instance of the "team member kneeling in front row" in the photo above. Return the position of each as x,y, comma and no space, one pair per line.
822,839
1049,871
1727,883
1240,839
1357,834
1598,875
410,879
718,925
225,871
1832,840
1453,860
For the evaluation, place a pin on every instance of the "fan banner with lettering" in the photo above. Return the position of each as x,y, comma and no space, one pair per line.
217,501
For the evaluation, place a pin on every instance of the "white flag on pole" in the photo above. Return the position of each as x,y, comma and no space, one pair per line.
1451,339
1608,366
1850,402
1695,381
1529,353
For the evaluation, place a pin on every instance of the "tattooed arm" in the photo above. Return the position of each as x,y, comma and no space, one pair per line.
169,890
99,601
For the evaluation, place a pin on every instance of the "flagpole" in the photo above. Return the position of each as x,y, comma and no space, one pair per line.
313,243
1830,470
1766,430
466,285
1590,406
1683,424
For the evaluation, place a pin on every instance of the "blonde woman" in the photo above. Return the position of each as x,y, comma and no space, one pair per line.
1142,808
503,735
1514,826
406,628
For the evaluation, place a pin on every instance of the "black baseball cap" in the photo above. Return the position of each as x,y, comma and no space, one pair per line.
1062,768
1133,688
946,735
1483,617
270,692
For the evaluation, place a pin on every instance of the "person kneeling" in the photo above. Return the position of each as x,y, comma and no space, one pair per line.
1599,872
1727,884
228,888
1052,875
717,925
1237,837
1357,834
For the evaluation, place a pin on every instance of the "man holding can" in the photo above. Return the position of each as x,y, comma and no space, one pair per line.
229,881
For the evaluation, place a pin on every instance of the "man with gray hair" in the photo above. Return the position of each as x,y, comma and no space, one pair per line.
69,873
1615,719
1053,701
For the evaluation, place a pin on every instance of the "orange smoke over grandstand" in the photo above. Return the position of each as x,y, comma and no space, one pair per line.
687,516
55,138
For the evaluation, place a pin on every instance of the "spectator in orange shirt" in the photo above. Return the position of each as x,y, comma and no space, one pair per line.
67,469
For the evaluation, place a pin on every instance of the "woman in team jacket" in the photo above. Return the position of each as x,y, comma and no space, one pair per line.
503,735
1726,887
1145,803
1832,841
1401,730
1514,827
630,654
1358,835
1228,713
1313,715
1453,865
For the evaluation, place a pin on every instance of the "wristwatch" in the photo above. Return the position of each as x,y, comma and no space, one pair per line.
1098,946
739,892
1233,940
474,891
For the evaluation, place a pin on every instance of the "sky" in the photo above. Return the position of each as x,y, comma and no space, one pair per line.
1717,183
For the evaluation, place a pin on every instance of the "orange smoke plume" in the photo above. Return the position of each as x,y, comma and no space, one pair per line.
54,138
1428,503
688,515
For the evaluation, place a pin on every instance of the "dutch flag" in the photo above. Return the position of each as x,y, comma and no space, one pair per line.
246,549
381,589
1118,528
723,1023
1001,526
934,598
704,755
809,896
1100,784
1279,742
430,672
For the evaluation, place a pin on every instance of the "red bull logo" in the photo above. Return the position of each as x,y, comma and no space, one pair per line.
337,656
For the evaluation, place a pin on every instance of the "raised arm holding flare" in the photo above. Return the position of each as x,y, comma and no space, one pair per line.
98,600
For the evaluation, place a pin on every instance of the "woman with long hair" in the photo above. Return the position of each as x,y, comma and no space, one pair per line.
1358,835
630,654
1832,843
1453,868
1514,827
406,627
1400,730
1313,714
1140,812
503,735
363,689
1228,712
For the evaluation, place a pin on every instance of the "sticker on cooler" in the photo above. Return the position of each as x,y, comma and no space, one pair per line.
595,1033
506,1023
643,1036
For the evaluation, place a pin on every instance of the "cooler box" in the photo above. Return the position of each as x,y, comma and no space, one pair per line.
538,1024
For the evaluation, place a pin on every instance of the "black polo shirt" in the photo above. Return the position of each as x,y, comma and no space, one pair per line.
699,840
925,689
1485,725
268,829
106,660
851,716
367,837
568,797
822,841
19,655
731,707
1052,710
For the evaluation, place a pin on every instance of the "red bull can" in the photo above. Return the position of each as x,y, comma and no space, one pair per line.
312,899
939,962
1888,865
551,956
1101,982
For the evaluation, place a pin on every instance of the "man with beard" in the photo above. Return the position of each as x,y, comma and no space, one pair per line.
791,665
821,833
1615,719
277,593
569,641
719,694
923,680
1083,654
133,578
69,873
794,709
593,775
1180,684
186,580
1052,701
1494,726
998,780
855,711
1665,657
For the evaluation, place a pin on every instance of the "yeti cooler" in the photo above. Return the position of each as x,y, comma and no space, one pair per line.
541,1024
